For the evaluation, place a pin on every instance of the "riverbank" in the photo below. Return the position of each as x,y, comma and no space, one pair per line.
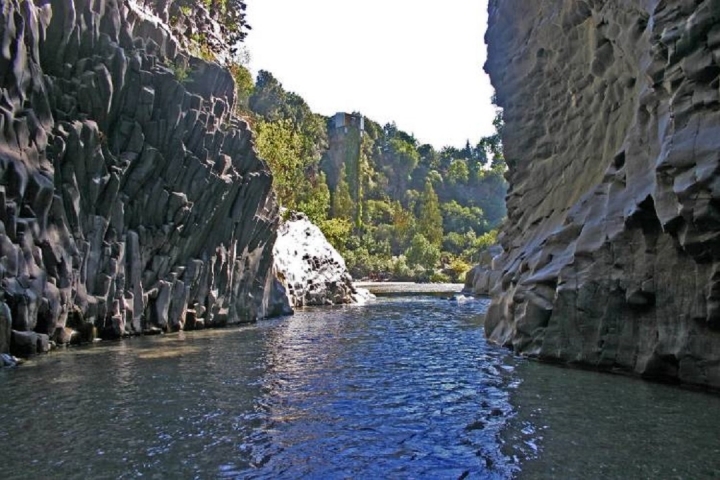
384,288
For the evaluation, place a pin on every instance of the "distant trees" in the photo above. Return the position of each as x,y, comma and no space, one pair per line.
430,221
342,203
422,253
281,147
393,207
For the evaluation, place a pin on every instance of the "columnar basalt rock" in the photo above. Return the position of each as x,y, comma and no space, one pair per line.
612,113
130,198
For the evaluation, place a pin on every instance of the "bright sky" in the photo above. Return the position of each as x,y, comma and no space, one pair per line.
415,62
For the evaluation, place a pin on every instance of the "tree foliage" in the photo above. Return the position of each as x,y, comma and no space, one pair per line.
422,252
430,221
394,207
230,16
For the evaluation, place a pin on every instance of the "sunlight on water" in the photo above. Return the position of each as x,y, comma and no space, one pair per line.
404,387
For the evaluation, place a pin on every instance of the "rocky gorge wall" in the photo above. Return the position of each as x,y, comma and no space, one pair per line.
130,198
612,138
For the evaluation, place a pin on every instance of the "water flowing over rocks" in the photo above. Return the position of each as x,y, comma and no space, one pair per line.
131,200
612,114
311,270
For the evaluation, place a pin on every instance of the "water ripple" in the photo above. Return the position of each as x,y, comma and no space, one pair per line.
400,388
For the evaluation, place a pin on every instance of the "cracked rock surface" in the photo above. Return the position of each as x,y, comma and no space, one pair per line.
310,269
612,137
130,201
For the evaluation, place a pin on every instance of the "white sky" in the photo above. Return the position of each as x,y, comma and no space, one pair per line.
415,62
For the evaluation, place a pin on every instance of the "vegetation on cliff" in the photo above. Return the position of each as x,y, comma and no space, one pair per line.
395,208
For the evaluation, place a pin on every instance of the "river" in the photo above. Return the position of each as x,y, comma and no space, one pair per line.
403,387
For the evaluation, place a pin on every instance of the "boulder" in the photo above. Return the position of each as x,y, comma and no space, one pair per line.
26,343
308,269
7,360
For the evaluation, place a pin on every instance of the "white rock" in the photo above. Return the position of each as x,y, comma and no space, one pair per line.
311,270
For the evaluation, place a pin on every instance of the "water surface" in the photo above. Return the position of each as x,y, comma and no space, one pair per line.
401,388
404,387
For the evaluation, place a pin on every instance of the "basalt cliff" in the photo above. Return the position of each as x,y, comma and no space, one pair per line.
131,199
612,138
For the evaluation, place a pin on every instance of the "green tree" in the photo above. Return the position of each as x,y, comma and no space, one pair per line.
422,253
402,227
399,159
268,97
457,270
337,232
244,86
278,144
492,144
342,203
458,171
229,14
430,222
457,218
314,199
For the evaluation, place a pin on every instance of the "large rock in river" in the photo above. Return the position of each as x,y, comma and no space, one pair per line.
129,196
311,270
612,139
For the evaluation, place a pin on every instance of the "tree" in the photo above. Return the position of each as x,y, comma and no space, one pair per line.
268,98
492,144
399,159
342,203
457,218
314,200
429,216
458,171
403,226
337,232
422,253
229,14
281,147
244,86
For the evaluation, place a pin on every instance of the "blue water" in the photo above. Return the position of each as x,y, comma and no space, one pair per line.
404,387
400,388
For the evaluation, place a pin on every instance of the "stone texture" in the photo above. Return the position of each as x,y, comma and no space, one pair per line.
309,269
126,196
482,278
612,114
5,327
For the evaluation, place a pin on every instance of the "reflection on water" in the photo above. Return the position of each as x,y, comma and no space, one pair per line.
400,388
404,387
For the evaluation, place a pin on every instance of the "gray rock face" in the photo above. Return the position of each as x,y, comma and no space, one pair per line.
482,278
127,198
310,270
612,256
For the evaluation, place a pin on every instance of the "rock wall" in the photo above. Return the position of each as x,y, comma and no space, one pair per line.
612,137
481,279
130,197
311,270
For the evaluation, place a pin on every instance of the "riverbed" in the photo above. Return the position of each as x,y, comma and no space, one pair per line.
403,387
